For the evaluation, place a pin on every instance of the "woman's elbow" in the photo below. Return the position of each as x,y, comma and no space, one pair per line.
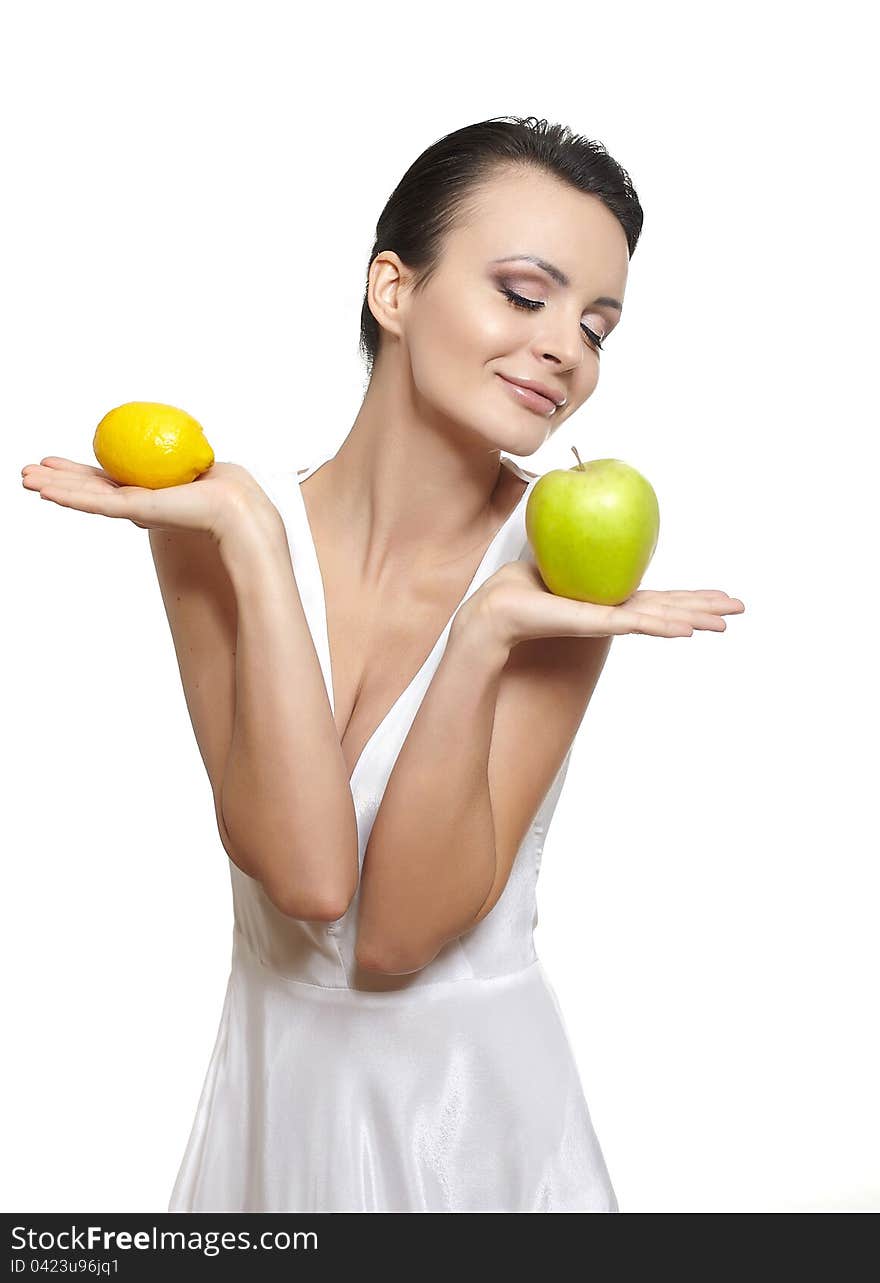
305,905
390,961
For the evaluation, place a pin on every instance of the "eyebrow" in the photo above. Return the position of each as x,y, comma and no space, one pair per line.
556,273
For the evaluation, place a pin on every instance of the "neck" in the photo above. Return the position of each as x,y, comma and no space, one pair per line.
408,493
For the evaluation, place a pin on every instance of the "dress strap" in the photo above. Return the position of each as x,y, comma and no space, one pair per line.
311,581
282,486
509,544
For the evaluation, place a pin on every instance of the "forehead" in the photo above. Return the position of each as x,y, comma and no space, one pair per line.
540,215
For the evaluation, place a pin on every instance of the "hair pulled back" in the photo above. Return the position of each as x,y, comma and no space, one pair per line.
439,185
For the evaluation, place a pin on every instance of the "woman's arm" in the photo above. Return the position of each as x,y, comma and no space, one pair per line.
285,794
497,720
254,691
486,744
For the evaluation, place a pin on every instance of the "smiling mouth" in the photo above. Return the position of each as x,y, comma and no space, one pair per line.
531,400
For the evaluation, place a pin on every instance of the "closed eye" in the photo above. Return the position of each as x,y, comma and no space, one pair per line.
518,301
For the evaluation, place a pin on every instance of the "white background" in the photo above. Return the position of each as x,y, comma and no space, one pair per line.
190,193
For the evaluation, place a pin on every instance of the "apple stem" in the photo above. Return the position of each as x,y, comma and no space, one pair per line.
578,457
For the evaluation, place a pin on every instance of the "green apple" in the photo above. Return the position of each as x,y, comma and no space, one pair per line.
593,529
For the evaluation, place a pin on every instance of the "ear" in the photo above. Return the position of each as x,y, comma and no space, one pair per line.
388,290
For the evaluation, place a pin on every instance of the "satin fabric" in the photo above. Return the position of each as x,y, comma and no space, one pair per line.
329,1088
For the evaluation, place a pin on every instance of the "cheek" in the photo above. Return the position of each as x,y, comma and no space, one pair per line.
452,340
491,327
585,386
464,325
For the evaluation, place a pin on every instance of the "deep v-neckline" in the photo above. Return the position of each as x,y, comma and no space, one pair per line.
324,620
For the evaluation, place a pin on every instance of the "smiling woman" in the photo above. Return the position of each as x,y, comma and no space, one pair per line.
490,286
448,180
386,697
407,1053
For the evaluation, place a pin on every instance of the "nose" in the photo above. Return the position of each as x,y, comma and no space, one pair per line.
560,348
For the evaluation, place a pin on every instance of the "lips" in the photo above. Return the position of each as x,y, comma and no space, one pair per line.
529,397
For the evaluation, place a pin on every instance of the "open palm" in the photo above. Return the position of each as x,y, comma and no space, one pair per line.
518,606
202,504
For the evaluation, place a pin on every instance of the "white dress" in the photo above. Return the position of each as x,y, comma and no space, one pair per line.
453,1088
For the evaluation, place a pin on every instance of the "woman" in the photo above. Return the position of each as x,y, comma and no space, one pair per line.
385,696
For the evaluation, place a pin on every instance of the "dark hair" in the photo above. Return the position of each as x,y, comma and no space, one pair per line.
437,187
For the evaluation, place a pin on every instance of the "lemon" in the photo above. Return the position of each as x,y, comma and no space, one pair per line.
145,443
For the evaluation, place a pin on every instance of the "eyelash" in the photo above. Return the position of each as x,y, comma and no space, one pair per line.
518,301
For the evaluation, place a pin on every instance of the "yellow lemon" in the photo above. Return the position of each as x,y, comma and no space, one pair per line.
145,443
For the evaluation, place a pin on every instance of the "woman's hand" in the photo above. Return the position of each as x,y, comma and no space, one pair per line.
207,504
515,605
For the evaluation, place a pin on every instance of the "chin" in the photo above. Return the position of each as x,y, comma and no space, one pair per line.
511,443
524,444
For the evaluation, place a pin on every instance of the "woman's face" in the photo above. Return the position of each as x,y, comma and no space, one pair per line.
463,332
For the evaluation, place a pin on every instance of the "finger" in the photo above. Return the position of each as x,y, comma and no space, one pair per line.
705,619
660,625
662,620
717,602
615,620
670,622
36,475
55,479
710,598
85,498
57,463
